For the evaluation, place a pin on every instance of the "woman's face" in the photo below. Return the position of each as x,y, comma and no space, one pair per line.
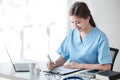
80,24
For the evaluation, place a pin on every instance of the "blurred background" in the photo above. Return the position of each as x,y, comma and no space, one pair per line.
31,29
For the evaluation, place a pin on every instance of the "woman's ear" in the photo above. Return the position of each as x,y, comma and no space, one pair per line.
88,19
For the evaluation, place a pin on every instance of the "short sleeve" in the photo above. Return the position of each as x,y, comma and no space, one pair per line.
104,56
63,50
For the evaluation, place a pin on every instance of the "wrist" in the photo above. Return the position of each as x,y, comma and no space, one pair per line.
82,66
56,63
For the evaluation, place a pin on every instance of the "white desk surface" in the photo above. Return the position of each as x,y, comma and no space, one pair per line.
7,71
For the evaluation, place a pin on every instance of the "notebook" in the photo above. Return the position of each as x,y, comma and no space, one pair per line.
18,67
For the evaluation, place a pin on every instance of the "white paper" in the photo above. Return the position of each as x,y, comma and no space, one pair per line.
63,70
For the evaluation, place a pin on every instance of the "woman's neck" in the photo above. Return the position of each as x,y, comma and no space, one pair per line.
84,33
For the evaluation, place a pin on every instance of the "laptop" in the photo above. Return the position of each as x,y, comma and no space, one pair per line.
19,67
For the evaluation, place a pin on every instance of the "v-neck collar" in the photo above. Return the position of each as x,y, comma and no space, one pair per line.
85,37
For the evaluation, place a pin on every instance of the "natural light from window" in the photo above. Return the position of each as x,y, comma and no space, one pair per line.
31,29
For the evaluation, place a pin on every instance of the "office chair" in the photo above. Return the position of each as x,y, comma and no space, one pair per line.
114,52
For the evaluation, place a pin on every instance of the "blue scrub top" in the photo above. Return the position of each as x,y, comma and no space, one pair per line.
92,49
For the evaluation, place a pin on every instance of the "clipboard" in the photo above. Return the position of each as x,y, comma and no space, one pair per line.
62,71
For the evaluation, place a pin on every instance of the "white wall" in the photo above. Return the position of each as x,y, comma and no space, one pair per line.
106,15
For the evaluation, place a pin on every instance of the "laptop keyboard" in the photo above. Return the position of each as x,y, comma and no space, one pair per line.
21,66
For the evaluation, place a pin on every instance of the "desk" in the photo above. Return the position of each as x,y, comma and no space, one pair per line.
7,71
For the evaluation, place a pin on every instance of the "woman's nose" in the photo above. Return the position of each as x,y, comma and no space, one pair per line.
74,24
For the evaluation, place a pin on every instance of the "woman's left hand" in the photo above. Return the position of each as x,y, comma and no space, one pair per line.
72,65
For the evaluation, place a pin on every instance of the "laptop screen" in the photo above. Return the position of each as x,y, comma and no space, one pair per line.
18,67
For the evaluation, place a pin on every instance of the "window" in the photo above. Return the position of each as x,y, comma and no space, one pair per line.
25,25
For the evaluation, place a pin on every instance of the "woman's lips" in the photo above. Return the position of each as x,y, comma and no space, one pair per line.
78,28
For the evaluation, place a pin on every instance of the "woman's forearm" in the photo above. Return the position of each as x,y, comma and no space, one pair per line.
96,66
59,61
88,66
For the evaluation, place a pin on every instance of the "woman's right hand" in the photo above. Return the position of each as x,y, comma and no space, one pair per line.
58,62
51,65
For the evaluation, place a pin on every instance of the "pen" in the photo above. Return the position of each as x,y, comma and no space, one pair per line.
49,58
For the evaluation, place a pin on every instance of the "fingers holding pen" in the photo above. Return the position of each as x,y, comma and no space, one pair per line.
50,65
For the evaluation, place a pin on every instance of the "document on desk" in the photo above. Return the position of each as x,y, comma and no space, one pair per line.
65,71
61,70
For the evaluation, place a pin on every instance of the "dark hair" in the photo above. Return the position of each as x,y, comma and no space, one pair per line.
80,9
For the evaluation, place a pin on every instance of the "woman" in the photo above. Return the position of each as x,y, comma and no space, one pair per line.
85,46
